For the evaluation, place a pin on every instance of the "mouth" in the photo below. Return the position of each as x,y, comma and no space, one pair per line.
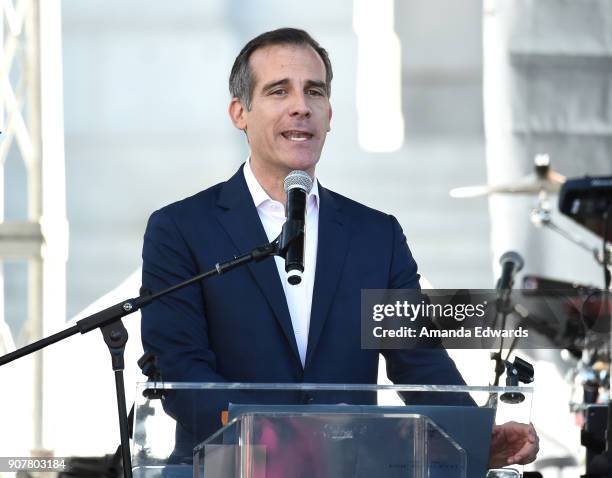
297,135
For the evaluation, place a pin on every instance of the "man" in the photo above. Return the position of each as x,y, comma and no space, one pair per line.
250,325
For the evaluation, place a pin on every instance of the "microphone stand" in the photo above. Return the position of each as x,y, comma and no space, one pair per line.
500,363
504,307
116,336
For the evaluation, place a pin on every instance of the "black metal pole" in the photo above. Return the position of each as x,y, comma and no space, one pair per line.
116,337
127,307
40,344
123,424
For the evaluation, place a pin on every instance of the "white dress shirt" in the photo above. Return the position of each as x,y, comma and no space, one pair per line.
272,216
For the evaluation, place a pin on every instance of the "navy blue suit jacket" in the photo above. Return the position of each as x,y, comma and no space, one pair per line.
236,327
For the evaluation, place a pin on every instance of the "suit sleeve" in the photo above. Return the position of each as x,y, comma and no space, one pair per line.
174,327
426,366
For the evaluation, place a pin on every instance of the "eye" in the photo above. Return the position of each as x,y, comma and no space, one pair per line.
278,92
314,92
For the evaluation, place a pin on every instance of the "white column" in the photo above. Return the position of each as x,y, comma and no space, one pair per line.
379,77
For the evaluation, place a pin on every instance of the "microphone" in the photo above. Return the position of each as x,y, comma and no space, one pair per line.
297,186
511,263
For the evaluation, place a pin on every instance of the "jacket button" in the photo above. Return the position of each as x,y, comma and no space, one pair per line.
307,398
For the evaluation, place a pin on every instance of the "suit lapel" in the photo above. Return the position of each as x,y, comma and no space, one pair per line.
238,216
331,254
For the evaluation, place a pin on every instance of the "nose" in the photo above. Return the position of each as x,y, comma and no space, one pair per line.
300,107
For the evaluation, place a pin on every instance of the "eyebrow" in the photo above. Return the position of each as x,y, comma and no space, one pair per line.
285,81
274,84
316,83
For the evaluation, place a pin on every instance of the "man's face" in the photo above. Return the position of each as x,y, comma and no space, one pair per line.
290,111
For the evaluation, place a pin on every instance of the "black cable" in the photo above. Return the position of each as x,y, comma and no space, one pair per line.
511,348
499,361
605,254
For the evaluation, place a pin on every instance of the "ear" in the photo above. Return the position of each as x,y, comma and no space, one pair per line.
329,120
237,112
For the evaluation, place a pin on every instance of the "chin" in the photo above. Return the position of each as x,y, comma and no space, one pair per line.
302,163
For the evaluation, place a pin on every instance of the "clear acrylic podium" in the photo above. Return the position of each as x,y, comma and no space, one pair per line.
231,430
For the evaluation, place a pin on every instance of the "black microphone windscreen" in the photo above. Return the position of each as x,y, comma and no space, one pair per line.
513,257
